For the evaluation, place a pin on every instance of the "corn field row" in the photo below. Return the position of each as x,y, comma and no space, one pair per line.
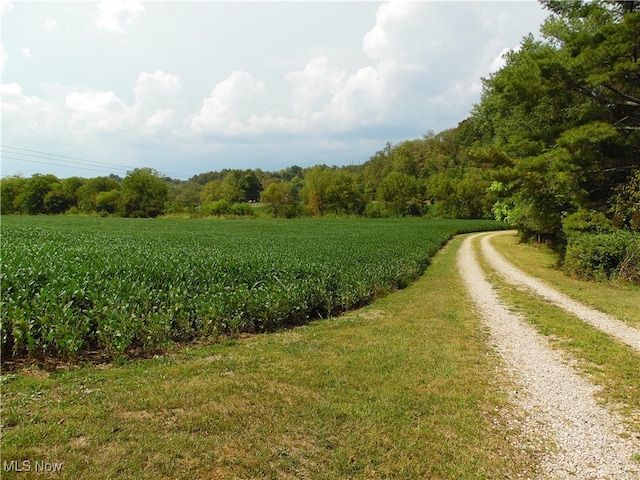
77,284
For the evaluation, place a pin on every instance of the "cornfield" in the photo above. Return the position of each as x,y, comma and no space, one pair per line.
77,284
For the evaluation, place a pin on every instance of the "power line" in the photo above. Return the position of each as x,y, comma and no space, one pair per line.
83,160
66,164
54,164
70,161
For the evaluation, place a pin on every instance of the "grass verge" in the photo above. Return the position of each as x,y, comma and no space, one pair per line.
606,362
620,299
403,388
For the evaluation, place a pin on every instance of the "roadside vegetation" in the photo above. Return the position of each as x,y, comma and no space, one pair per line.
618,298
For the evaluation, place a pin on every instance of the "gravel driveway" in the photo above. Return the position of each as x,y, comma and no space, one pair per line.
558,404
606,323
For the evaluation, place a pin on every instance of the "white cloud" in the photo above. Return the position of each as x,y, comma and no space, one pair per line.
26,53
50,24
381,41
3,57
160,122
100,112
360,101
232,102
5,6
114,15
158,88
369,96
314,87
13,98
156,100
402,69
24,116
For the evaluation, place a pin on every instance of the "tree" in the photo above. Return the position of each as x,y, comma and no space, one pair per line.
88,192
10,190
565,111
316,181
109,202
401,193
32,198
58,199
342,196
626,204
144,193
184,197
281,199
211,191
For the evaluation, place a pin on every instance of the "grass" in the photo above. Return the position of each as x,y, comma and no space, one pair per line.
606,362
403,388
620,299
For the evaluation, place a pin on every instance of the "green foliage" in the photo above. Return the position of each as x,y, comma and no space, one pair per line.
584,221
71,284
89,191
32,197
462,193
216,209
376,210
242,209
604,256
626,204
10,190
281,199
565,111
222,208
402,194
144,193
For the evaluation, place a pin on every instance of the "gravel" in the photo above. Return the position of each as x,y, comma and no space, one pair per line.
606,323
559,405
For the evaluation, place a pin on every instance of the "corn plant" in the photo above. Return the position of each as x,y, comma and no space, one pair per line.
104,284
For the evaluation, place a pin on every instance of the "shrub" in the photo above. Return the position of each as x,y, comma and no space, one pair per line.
604,256
585,221
376,210
242,210
219,208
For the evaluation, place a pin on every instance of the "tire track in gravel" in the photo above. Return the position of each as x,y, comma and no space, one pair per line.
513,275
559,404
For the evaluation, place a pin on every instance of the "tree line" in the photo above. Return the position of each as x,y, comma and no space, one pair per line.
432,175
552,148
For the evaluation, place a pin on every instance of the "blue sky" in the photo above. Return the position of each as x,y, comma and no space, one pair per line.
94,88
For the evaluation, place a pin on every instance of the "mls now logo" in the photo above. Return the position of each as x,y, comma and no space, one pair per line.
29,466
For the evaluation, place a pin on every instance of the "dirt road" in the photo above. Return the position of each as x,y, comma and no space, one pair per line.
591,442
606,323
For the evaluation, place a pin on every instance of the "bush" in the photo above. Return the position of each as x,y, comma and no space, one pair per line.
585,221
604,256
219,208
242,210
376,210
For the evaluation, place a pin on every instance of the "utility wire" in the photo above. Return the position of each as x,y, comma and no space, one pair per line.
83,160
70,161
49,163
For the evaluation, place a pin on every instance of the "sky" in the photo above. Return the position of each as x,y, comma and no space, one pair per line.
93,88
